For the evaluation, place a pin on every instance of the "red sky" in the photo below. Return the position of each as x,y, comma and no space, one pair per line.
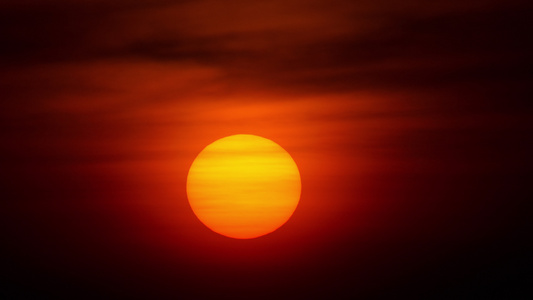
409,121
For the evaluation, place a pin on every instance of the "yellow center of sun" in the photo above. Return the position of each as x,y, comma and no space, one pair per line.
243,186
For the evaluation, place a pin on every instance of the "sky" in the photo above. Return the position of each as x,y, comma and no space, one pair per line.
409,122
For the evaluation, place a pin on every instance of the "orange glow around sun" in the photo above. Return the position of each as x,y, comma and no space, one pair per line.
243,186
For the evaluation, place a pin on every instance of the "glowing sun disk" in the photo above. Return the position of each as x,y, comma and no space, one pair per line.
243,186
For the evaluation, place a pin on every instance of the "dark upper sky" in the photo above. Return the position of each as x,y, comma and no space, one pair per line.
409,121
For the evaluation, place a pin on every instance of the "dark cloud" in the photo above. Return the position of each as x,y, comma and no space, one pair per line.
343,45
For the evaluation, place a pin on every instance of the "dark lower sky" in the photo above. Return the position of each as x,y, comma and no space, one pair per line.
410,122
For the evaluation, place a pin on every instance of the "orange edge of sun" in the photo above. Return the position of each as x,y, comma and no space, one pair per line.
243,186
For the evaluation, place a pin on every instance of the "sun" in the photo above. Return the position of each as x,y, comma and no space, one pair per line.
243,186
